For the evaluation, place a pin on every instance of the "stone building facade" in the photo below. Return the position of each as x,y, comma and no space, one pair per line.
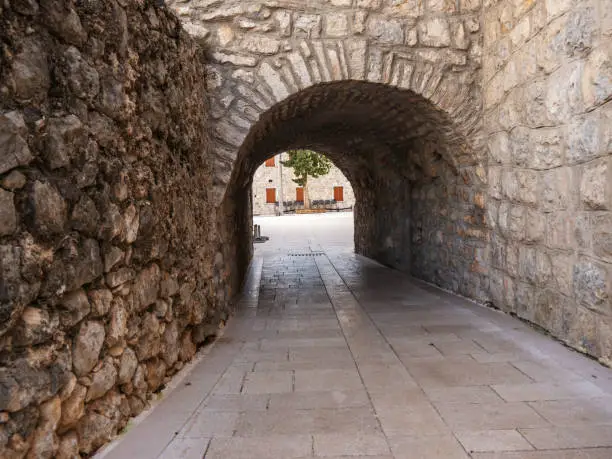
332,191
476,135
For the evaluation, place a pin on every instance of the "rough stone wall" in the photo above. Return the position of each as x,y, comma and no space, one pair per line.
319,188
548,81
110,270
124,229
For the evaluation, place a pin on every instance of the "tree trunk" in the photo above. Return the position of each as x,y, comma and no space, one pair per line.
306,197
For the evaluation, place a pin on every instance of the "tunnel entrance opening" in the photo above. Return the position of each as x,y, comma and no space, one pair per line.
301,204
418,183
300,181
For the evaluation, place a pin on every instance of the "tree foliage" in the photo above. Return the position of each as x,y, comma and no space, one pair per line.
307,163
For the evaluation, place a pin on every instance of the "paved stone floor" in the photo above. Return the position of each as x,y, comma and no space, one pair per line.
332,355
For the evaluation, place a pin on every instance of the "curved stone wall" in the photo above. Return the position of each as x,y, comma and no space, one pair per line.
110,266
398,150
389,90
263,52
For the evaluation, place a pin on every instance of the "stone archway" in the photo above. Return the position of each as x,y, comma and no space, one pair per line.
263,52
405,76
417,178
124,200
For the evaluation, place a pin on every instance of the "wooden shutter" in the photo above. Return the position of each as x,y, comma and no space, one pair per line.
270,195
338,194
299,194
271,162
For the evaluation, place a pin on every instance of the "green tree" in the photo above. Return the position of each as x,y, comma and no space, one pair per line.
305,164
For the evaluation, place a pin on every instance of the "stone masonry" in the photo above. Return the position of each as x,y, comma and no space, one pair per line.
263,52
110,269
390,91
320,188
548,81
519,220
476,135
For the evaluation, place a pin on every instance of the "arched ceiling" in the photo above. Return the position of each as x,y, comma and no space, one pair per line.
365,128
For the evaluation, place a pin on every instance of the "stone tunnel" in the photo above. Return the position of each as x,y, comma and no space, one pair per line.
476,134
403,157
389,92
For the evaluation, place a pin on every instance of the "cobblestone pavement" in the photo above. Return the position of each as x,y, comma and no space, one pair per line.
332,355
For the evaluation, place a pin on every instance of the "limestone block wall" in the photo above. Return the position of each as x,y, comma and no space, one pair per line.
110,266
319,188
548,82
265,177
125,216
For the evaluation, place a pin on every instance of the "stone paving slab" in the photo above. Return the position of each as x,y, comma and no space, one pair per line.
594,453
271,446
336,356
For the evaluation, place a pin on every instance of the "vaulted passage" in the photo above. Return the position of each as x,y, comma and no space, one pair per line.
417,182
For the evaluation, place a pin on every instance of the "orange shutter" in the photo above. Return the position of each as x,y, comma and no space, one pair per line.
271,162
299,194
338,194
270,195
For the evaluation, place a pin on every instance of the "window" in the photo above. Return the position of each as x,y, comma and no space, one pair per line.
299,194
338,193
270,195
271,162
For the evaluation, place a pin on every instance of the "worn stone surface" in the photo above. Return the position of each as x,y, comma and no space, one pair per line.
101,301
15,180
47,209
68,446
73,408
102,380
87,346
36,326
16,151
8,214
94,430
454,382
23,385
127,366
76,306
